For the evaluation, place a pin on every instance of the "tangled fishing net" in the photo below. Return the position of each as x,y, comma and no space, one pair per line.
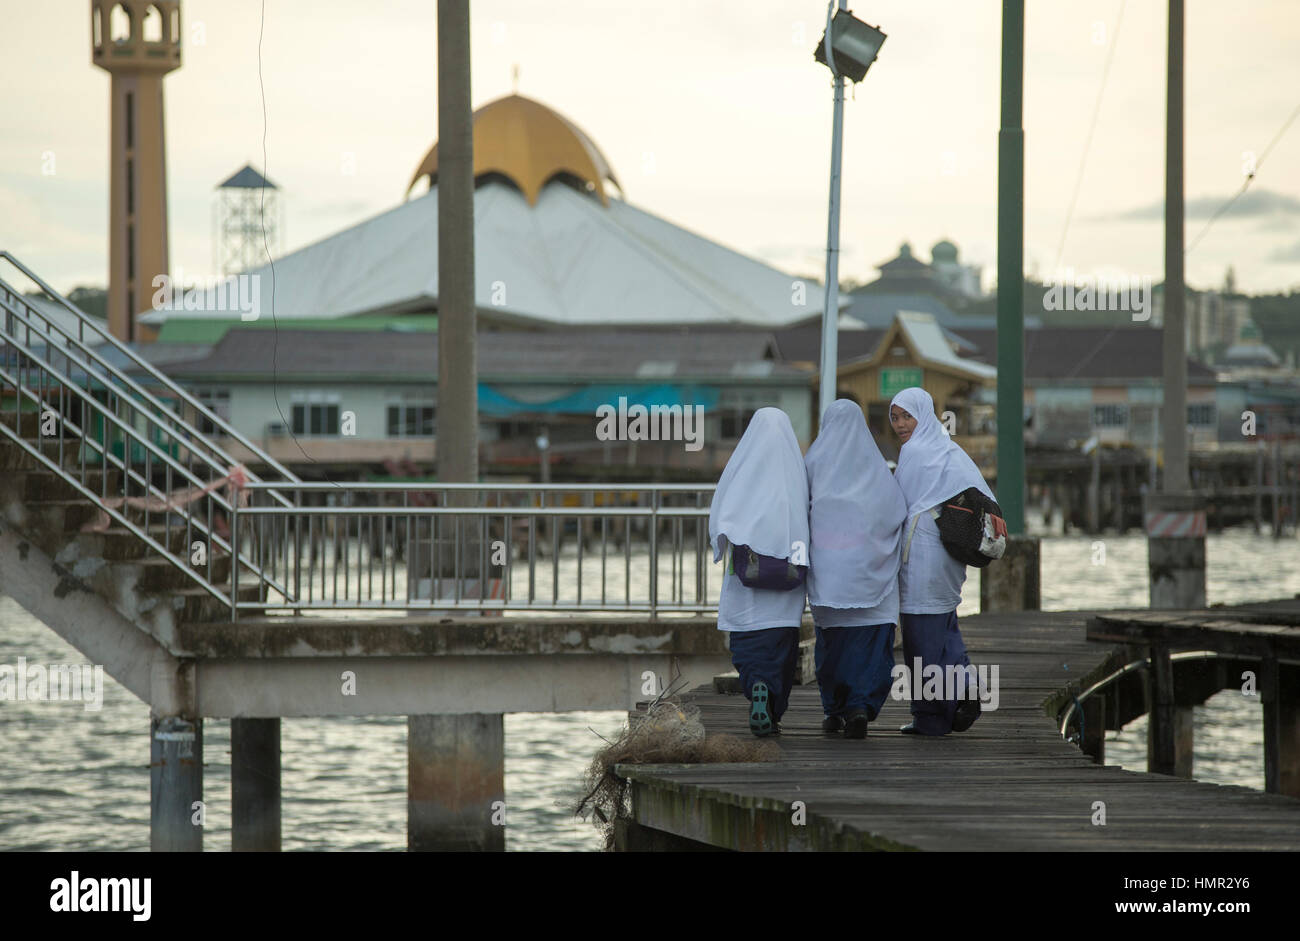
667,732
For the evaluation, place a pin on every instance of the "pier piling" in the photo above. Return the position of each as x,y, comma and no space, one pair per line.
255,785
456,783
175,784
1012,583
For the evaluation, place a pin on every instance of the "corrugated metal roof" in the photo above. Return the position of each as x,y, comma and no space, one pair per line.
567,261
928,339
1089,353
516,356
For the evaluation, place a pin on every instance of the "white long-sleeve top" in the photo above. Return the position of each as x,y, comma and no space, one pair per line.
741,608
930,580
884,613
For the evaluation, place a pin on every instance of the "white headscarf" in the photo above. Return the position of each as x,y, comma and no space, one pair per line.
856,514
762,497
931,466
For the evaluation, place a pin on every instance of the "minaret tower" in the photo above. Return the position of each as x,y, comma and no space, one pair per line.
137,42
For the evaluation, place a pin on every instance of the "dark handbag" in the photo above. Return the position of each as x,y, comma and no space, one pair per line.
971,528
763,571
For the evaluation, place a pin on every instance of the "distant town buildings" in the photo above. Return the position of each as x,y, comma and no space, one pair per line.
589,303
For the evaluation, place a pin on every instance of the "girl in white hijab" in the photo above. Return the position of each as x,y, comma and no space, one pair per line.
856,517
931,469
762,502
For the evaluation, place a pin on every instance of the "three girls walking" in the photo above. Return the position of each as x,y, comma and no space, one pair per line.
861,545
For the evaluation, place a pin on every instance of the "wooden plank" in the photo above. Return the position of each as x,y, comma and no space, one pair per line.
1010,782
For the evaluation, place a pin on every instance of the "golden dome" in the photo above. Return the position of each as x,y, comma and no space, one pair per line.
529,144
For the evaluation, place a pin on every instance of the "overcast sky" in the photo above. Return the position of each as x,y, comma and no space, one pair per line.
712,114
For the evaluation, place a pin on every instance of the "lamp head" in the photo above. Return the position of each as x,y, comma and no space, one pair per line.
854,46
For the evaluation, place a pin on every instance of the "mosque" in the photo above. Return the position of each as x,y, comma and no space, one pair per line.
583,299
555,247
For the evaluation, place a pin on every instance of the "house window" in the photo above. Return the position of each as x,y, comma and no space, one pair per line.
1201,413
1110,416
316,419
216,401
410,420
734,422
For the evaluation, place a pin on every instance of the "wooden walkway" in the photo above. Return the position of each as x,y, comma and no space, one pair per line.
1009,783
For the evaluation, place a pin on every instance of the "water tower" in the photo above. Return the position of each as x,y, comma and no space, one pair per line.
137,43
247,221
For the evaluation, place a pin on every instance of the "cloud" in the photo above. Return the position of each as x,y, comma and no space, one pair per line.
1286,255
1254,203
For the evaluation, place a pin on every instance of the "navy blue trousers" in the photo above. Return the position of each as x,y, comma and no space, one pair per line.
935,639
855,668
769,656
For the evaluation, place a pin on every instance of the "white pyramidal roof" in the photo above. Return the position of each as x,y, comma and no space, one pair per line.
567,261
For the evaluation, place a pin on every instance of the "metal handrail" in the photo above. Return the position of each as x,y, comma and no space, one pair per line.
435,485
379,551
195,443
156,374
131,435
132,438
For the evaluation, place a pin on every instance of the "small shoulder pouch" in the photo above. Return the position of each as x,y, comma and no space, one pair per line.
763,571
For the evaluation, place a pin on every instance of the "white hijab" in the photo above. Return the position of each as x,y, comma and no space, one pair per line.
762,497
931,466
856,514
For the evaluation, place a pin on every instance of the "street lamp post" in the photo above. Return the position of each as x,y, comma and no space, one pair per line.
847,48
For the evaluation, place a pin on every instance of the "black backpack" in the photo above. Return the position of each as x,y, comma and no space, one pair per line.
971,528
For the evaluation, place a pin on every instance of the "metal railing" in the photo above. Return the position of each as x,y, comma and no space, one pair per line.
630,548
617,548
89,356
91,418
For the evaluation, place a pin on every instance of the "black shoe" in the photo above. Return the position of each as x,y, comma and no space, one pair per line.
832,724
909,729
761,722
967,712
856,726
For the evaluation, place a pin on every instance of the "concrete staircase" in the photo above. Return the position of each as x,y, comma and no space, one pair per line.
46,513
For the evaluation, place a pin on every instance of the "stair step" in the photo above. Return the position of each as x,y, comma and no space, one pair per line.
199,605
159,575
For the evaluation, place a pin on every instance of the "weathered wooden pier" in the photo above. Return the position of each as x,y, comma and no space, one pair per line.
1012,782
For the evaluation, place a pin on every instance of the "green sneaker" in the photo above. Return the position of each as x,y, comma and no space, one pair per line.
761,722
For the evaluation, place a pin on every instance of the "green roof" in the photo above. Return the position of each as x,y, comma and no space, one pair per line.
213,329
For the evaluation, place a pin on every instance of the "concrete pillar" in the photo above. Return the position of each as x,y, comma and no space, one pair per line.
255,785
1175,527
175,784
175,757
1012,583
456,782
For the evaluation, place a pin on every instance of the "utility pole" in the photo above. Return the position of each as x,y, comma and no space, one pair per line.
1014,583
1174,352
457,439
831,308
1011,268
1174,516
455,763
